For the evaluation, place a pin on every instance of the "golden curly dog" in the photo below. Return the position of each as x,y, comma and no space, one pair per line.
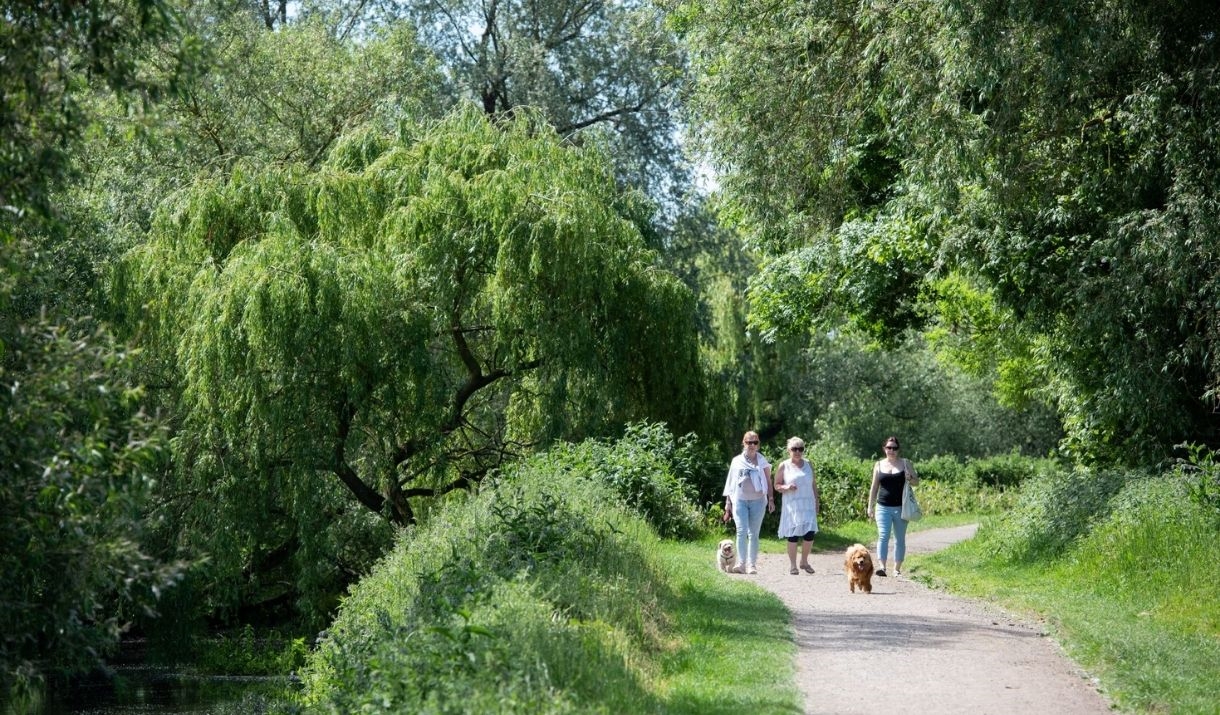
858,564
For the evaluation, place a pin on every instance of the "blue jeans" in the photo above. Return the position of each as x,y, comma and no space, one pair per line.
889,520
748,516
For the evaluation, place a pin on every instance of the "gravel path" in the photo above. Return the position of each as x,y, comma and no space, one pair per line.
910,649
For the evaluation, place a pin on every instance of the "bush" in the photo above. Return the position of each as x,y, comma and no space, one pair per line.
544,618
945,468
249,652
843,482
648,470
1007,471
1053,510
1200,474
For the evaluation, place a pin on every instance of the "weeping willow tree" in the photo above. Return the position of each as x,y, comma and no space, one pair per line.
349,343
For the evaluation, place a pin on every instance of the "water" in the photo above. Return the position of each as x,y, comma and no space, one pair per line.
147,690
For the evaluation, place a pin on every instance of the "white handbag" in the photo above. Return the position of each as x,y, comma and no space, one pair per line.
910,507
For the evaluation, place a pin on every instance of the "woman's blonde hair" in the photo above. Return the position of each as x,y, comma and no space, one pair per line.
795,442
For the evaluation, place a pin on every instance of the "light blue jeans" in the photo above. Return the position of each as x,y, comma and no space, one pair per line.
748,516
889,520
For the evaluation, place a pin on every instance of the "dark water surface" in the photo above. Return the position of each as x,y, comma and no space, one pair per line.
148,690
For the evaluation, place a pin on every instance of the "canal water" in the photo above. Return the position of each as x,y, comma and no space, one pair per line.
142,690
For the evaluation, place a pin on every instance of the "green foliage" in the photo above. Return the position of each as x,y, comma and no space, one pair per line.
52,52
948,485
251,652
1200,474
999,472
600,70
648,470
946,468
393,326
1037,186
843,482
1053,512
267,98
1131,593
79,459
1009,471
532,596
835,388
711,261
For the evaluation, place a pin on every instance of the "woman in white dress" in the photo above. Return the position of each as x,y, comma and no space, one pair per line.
798,520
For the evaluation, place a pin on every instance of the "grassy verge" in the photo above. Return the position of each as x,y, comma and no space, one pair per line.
1127,601
733,642
734,649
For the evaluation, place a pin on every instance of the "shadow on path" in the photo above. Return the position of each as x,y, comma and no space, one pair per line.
911,649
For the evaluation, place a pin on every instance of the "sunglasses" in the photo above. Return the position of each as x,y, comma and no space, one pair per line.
751,441
796,449
891,446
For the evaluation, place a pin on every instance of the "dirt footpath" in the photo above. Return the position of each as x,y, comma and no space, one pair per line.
910,649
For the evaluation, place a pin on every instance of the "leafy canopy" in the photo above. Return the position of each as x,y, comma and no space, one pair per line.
409,316
1058,160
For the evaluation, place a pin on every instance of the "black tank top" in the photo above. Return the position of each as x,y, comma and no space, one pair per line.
889,493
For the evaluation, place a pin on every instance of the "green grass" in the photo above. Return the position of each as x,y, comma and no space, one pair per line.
1132,603
733,642
1146,625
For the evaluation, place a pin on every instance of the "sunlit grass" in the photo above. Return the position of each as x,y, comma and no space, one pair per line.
1132,602
734,650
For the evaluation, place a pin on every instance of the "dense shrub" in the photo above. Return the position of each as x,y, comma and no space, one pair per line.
843,482
1143,550
648,470
962,497
532,596
1003,471
1007,471
945,468
1200,475
1052,512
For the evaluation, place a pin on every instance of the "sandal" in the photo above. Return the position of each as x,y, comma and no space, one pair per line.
806,568
793,571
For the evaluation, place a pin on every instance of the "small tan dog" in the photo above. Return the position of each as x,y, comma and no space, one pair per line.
725,555
858,564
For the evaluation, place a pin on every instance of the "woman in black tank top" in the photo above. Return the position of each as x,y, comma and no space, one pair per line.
890,476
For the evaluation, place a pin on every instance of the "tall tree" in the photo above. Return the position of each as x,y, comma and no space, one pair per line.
281,97
48,51
590,65
396,324
1059,159
78,452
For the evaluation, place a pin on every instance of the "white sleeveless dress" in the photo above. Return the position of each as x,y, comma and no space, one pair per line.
799,514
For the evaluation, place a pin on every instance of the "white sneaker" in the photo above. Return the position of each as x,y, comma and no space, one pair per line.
739,568
750,569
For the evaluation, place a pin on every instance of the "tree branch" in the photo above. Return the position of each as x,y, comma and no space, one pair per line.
365,494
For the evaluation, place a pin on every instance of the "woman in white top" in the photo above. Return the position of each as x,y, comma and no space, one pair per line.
798,520
747,492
